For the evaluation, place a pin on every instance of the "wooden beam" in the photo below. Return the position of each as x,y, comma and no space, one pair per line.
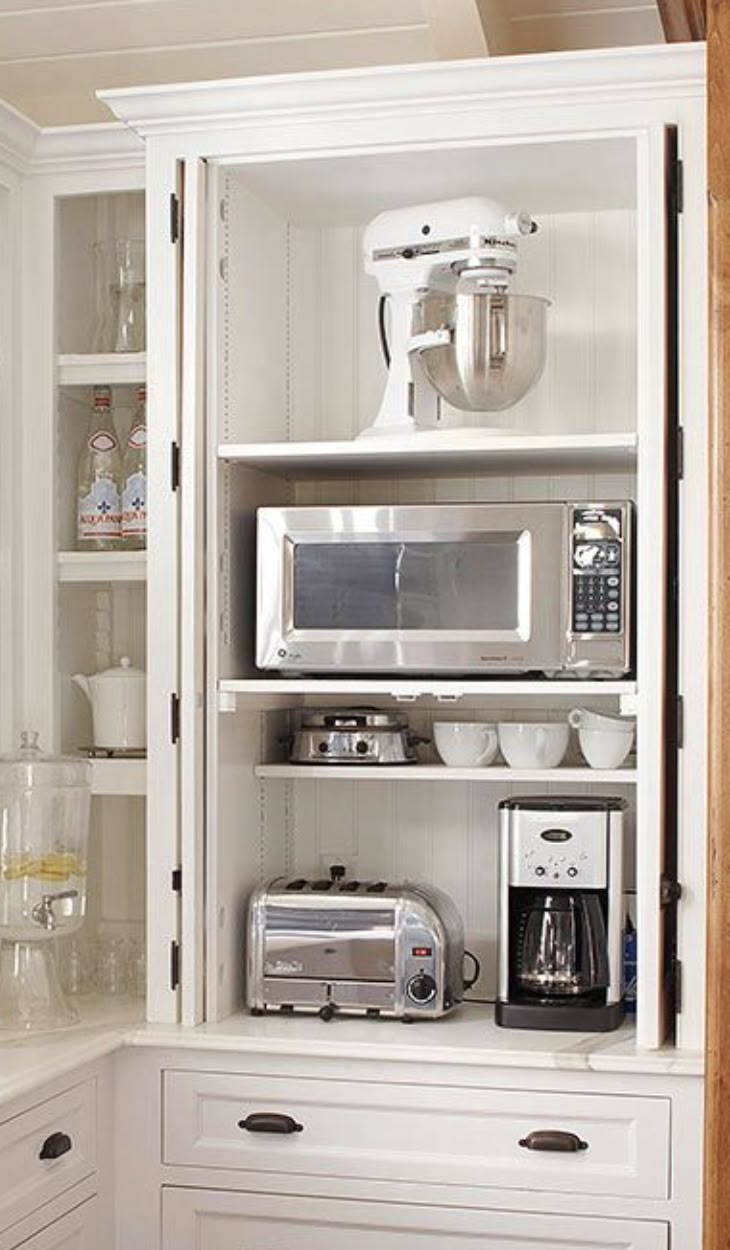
717,1099
683,20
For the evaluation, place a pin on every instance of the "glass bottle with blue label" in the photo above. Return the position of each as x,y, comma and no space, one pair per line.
134,480
99,506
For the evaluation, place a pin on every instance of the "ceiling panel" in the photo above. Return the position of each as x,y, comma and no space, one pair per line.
554,25
80,28
54,54
61,91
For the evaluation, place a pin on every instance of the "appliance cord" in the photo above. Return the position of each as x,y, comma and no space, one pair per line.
382,332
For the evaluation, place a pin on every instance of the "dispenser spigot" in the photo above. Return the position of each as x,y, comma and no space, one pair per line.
43,912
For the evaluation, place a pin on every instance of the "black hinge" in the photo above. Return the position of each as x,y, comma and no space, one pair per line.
177,880
174,466
680,721
677,986
174,718
174,965
679,186
670,891
679,436
174,217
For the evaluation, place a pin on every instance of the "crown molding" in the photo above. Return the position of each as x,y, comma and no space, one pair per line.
624,73
102,145
18,136
27,148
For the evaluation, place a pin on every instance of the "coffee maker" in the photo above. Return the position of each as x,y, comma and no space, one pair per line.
560,913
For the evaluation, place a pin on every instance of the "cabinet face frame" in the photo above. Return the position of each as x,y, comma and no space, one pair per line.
10,234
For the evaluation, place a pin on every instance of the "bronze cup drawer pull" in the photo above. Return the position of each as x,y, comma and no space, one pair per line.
56,1145
553,1139
270,1122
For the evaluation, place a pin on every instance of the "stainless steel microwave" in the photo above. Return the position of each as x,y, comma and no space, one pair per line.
445,589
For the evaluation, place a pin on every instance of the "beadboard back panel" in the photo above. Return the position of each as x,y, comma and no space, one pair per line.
297,298
437,832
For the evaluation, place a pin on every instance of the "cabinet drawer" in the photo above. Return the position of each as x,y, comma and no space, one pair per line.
79,1230
216,1220
64,1130
431,1135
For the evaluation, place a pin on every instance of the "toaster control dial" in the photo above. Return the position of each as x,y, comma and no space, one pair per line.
421,988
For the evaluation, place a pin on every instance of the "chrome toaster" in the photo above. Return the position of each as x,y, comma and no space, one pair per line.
354,947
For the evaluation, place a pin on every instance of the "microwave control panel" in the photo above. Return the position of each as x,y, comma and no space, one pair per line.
598,569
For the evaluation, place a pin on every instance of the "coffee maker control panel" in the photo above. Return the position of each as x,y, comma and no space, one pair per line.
569,852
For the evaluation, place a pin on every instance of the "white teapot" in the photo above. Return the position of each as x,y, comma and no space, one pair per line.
117,697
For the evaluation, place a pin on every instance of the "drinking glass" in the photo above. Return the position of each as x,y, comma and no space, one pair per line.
120,287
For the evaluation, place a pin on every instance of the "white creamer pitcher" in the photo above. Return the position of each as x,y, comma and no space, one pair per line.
117,697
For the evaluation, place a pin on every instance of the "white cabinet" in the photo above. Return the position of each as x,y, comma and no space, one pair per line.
202,1220
279,370
79,1230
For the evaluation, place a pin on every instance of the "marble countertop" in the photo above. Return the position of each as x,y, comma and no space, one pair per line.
469,1037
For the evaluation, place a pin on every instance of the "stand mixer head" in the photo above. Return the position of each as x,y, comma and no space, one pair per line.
456,333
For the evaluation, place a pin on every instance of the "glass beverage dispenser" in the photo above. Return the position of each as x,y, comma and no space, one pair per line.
44,825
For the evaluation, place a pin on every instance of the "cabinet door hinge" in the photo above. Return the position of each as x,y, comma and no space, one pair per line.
680,721
174,466
679,186
174,217
177,880
679,455
174,965
670,891
175,718
677,985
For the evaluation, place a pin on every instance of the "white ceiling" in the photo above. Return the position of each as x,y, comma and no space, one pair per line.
54,54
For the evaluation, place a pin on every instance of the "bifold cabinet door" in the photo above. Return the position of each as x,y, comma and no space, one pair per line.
195,1219
79,1230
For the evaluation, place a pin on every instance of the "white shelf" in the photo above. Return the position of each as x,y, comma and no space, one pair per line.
409,689
102,369
119,777
446,452
439,772
102,566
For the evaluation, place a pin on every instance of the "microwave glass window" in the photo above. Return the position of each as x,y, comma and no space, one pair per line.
472,583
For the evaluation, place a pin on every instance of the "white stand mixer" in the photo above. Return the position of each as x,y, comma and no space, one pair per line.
455,333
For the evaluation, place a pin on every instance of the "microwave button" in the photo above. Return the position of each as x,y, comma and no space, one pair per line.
613,626
613,581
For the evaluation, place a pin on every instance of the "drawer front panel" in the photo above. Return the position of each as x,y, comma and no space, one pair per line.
217,1220
79,1230
424,1134
64,1130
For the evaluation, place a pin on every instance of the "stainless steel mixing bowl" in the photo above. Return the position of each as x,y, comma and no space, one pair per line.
483,351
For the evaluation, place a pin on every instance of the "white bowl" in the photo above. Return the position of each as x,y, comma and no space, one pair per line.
531,745
465,744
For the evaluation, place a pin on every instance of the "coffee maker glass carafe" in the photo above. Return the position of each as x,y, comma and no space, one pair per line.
563,948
